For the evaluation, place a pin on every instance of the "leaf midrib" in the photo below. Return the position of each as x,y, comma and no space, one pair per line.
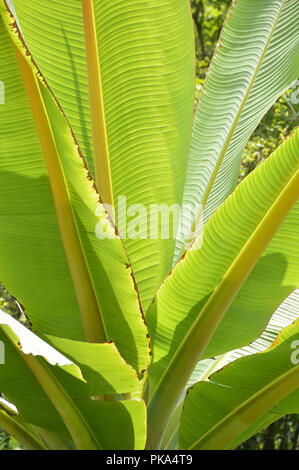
96,103
89,306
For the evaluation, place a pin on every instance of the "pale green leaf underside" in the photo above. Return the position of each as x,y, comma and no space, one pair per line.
185,292
208,404
256,59
146,54
286,314
33,264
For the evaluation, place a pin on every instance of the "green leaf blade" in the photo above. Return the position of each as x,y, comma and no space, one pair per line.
261,387
256,60
107,267
196,312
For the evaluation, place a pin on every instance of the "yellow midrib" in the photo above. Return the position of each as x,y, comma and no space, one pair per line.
87,300
96,102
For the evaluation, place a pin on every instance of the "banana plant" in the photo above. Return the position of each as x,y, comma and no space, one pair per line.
129,325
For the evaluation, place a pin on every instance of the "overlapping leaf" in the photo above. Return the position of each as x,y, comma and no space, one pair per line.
105,372
287,313
33,264
196,276
243,397
221,294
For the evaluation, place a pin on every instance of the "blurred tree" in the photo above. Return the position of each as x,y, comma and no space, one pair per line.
8,442
283,434
208,17
276,126
8,303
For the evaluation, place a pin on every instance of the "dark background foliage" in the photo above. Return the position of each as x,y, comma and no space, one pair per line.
209,16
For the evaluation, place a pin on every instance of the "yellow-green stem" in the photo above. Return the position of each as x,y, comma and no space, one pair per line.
90,311
65,406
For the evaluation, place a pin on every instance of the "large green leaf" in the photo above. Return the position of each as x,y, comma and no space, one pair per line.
286,314
106,373
14,426
256,59
251,391
33,263
221,294
146,55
